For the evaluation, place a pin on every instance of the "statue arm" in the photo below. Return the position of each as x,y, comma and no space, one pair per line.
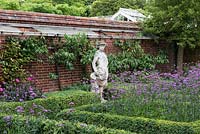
94,63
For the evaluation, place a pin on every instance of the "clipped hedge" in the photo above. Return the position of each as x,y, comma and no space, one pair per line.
53,103
16,124
133,124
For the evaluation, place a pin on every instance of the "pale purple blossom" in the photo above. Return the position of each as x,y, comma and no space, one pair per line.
17,80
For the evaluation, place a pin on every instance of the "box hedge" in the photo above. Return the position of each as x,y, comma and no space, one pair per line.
133,124
53,103
16,124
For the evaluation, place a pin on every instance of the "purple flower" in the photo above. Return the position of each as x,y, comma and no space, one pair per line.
31,111
139,92
21,100
92,81
7,118
31,91
70,110
45,110
34,105
33,95
113,97
122,91
30,88
112,81
19,109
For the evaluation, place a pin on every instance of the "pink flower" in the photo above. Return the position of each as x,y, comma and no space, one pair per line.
30,88
1,89
17,80
30,79
71,103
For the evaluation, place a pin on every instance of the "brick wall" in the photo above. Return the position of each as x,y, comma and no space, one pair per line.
41,70
191,55
66,77
153,48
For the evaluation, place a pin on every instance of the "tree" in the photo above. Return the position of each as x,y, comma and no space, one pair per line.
109,7
89,2
71,10
178,21
69,2
11,5
43,8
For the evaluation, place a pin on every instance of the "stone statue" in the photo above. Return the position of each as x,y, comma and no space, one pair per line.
100,67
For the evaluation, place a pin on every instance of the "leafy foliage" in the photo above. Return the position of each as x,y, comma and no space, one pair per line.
133,57
176,20
71,10
32,125
18,52
72,7
109,7
11,60
75,47
54,101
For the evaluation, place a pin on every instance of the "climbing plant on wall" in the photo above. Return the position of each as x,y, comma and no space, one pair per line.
133,57
18,52
74,48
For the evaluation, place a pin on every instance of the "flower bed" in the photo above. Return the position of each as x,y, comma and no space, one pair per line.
155,108
156,95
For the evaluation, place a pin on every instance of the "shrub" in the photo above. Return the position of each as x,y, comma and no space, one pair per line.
133,57
133,124
79,86
53,103
31,125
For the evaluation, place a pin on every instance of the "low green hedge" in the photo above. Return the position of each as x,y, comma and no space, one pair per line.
53,103
17,124
133,124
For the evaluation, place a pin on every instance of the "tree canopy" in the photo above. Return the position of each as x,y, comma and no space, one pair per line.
178,21
175,20
109,7
72,7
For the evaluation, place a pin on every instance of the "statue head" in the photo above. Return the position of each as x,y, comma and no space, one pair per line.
100,45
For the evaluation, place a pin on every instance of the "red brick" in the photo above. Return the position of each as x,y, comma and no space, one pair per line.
41,70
